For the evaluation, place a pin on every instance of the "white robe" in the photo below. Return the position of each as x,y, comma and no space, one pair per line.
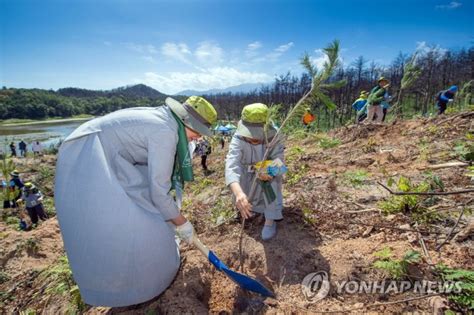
241,155
112,199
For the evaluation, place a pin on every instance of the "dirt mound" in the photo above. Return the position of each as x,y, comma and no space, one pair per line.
332,222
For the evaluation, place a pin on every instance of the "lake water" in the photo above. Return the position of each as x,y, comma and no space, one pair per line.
48,133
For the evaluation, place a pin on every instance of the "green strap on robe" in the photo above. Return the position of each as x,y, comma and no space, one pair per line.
268,190
183,162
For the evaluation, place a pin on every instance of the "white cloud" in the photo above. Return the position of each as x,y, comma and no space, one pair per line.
423,48
254,46
285,47
209,53
252,49
147,48
451,6
149,59
175,51
319,59
277,52
215,77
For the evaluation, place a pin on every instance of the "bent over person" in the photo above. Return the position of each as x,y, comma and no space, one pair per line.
115,209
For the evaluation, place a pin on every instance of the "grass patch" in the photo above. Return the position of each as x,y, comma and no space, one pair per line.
355,178
61,282
4,277
328,143
293,153
296,174
221,212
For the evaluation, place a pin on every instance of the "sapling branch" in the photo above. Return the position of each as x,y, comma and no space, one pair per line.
403,193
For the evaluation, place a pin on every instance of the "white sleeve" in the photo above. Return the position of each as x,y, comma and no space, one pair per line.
161,154
233,162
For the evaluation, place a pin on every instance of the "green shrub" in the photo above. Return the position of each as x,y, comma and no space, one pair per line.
12,221
395,268
464,299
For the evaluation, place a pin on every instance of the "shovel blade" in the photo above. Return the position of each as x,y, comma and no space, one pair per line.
245,282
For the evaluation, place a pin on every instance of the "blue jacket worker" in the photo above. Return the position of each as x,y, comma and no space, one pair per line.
445,97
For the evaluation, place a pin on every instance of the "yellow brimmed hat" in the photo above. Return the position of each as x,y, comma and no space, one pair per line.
15,173
252,122
29,186
195,113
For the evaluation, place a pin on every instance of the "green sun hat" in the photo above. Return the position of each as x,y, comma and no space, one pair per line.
253,119
29,186
195,113
382,79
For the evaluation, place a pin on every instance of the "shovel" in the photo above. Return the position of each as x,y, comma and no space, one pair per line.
245,282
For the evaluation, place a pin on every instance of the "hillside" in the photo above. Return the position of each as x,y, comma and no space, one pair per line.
336,219
67,102
130,91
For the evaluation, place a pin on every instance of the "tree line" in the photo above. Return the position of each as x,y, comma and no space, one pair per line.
438,70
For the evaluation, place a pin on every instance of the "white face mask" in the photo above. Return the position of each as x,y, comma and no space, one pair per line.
191,147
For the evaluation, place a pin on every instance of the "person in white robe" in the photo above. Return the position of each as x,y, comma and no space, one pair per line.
114,202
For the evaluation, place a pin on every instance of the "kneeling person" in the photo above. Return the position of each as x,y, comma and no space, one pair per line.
246,149
33,199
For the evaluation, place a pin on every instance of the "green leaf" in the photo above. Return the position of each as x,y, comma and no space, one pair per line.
404,184
390,182
307,64
334,85
326,100
386,252
412,256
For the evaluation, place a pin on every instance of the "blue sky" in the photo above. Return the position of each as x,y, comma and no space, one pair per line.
176,45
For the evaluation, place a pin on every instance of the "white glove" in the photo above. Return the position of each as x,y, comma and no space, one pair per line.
185,232
450,100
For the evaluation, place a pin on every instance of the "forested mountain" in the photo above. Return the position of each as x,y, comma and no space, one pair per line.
241,88
38,104
132,91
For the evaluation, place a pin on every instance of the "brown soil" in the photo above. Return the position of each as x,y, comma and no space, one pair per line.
319,231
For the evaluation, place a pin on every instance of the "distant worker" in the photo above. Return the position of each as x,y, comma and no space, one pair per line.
119,228
13,148
33,199
16,185
203,150
222,140
387,98
445,97
246,149
374,101
22,147
360,106
307,118
36,147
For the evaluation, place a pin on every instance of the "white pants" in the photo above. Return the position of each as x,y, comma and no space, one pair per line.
375,110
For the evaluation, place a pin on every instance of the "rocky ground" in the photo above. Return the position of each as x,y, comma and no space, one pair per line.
333,222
